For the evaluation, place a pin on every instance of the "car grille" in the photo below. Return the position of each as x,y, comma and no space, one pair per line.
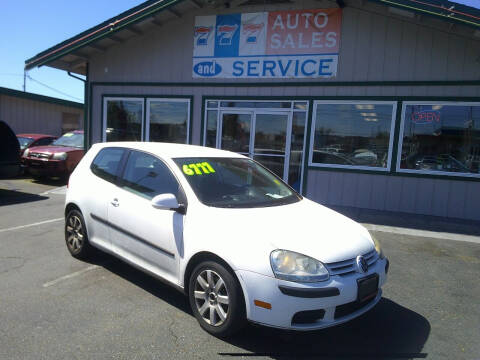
39,155
347,267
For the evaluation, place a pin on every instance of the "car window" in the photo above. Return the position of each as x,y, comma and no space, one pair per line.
24,141
235,183
147,176
106,163
70,139
44,141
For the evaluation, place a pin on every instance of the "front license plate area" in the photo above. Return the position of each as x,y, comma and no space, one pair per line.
367,287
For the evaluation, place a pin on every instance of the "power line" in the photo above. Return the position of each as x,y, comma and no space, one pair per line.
53,89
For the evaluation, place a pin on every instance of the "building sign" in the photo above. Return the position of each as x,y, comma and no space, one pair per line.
279,44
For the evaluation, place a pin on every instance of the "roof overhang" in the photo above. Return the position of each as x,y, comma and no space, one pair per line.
73,54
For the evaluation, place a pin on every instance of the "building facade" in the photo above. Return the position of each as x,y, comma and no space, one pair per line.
31,113
353,103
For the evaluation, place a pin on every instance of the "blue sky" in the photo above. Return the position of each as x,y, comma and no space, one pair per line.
31,26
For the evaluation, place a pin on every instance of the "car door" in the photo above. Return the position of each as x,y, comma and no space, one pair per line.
148,237
101,187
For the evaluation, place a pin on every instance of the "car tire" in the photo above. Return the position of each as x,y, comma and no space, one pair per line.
216,299
76,236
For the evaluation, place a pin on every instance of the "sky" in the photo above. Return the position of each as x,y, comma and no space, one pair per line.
31,26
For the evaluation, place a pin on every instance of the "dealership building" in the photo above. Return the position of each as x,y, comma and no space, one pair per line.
367,104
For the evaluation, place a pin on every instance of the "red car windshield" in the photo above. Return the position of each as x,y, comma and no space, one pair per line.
70,139
24,141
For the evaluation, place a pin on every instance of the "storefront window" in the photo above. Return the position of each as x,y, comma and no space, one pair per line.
353,134
167,120
123,119
440,138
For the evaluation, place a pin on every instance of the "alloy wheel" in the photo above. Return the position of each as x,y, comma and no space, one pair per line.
75,233
211,298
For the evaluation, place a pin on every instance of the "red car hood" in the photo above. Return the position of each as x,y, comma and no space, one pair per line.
51,149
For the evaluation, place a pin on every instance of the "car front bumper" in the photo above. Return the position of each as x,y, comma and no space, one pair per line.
46,167
320,305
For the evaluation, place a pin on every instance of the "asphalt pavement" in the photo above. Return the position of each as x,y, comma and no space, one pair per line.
53,306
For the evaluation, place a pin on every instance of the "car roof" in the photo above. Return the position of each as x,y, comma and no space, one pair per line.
168,150
35,136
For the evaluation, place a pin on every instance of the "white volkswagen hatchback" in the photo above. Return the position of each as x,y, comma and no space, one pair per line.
234,237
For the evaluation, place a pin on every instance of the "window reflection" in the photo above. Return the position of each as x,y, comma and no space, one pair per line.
352,134
124,120
441,138
168,121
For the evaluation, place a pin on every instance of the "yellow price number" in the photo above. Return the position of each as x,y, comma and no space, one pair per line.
197,169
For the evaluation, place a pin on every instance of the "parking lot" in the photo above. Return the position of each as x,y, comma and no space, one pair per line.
55,307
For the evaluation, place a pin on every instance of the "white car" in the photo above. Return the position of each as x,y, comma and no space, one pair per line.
226,231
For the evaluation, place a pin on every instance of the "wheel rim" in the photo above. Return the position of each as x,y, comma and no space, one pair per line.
211,298
75,233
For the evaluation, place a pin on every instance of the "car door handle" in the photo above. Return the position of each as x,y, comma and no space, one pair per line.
115,202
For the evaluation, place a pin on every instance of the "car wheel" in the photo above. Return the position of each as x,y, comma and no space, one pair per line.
216,299
76,235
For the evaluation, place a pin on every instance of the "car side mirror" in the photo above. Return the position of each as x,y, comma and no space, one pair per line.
168,202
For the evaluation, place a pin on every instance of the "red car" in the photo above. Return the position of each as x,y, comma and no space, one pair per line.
30,140
58,159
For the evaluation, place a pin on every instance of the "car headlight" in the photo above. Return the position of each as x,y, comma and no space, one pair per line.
292,266
378,248
25,153
60,156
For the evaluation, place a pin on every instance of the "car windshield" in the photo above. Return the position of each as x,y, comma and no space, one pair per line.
70,139
24,141
235,183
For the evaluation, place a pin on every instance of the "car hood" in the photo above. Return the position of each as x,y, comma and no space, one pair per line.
52,149
305,227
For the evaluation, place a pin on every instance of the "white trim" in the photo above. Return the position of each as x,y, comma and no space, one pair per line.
120,98
353,102
401,133
167,99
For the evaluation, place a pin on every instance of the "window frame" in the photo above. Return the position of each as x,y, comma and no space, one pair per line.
149,99
401,133
122,98
386,169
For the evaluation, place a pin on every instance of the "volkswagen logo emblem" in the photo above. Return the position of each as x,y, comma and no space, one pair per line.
362,265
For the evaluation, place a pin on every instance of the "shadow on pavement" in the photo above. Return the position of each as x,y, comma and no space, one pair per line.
412,221
10,197
50,181
388,331
144,281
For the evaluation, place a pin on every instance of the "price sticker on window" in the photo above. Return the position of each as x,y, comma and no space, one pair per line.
68,135
197,169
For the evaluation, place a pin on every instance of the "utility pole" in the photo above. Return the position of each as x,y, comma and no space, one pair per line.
24,80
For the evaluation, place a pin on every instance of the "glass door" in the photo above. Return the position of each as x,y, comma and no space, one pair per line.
271,144
235,131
